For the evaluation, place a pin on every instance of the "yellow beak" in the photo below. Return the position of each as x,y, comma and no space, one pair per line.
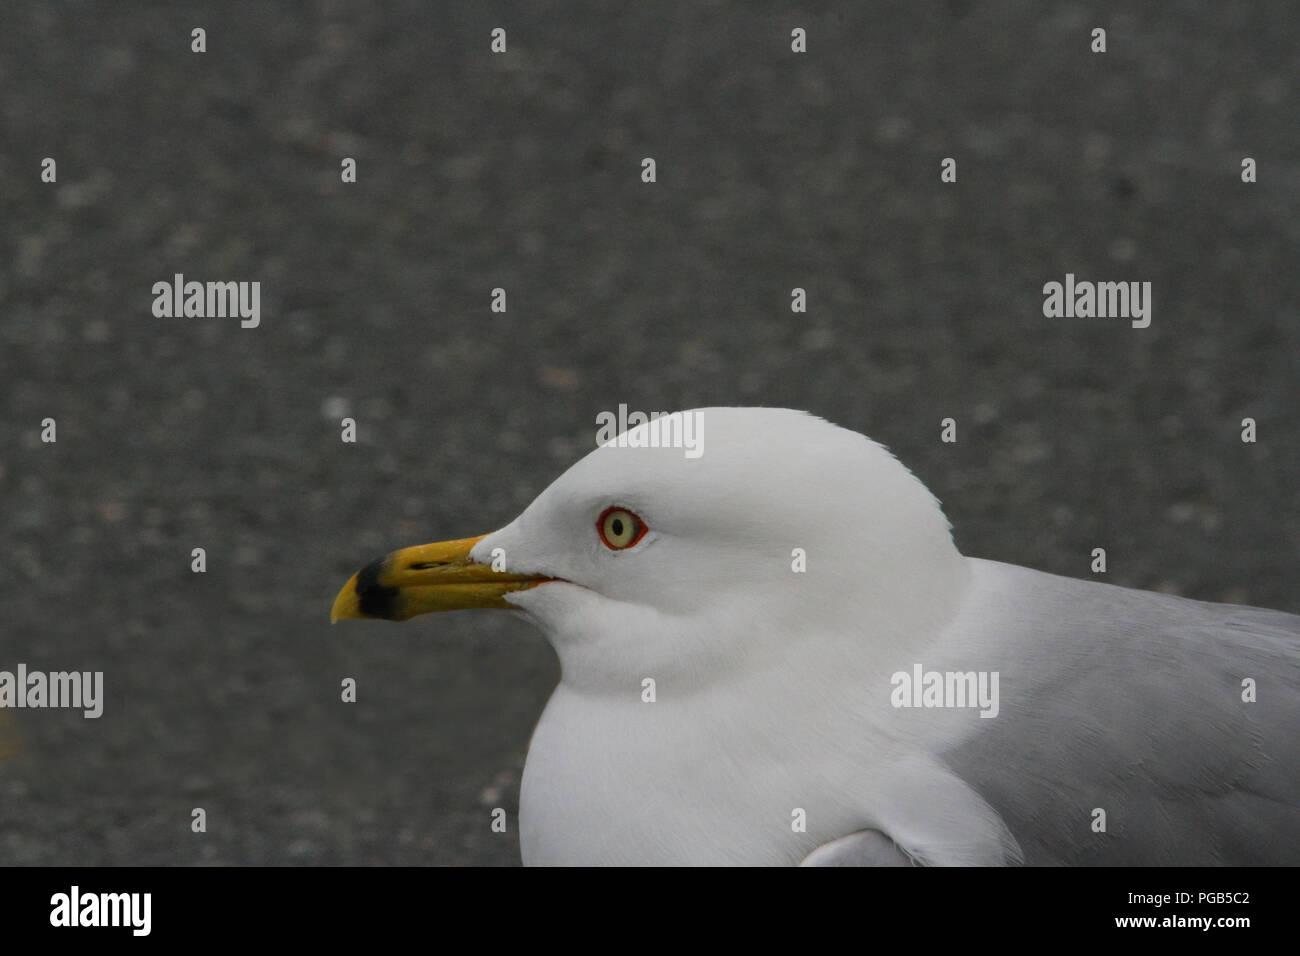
427,578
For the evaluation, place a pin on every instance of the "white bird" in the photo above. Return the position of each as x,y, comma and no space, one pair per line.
773,653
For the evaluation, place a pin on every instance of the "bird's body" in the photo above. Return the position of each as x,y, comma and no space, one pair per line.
1179,719
792,655
1145,722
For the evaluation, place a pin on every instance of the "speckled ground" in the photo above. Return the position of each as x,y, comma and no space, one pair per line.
522,171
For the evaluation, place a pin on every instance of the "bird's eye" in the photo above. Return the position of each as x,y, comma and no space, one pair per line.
619,528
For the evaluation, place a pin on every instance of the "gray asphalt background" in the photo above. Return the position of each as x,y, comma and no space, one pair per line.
522,171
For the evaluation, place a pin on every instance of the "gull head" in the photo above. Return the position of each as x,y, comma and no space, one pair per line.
779,531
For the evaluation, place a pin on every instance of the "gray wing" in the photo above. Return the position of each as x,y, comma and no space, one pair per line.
1137,705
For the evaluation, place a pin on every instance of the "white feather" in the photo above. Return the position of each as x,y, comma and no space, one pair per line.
773,688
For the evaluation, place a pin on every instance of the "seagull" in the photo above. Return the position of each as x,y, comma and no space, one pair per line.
772,653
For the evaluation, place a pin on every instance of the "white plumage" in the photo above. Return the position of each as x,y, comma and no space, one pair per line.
773,694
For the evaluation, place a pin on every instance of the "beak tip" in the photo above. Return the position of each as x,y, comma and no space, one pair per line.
345,604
